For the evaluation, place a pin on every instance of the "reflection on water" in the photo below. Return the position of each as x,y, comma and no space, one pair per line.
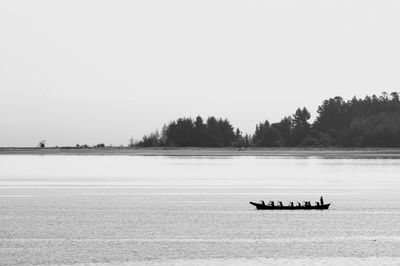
331,261
130,210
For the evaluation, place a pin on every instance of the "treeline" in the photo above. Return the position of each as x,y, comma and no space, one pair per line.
370,122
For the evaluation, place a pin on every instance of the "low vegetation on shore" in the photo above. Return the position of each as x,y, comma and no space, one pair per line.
370,122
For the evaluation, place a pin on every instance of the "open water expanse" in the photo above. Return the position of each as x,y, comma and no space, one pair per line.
149,210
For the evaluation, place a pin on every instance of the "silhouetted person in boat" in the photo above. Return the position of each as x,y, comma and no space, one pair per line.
291,204
321,200
280,203
298,204
262,202
271,203
317,203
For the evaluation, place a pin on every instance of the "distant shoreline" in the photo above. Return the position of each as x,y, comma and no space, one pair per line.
287,152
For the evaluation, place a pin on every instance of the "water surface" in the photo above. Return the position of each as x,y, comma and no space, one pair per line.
133,210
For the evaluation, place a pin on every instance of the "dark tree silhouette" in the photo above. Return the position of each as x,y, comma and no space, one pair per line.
152,140
265,135
370,122
301,127
200,132
184,132
284,128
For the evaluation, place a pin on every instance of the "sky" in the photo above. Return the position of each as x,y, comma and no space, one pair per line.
95,71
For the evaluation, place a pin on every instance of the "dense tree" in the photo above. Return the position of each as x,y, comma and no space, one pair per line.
241,140
265,135
184,132
331,115
219,132
346,123
284,128
370,122
151,140
379,130
200,132
213,133
301,127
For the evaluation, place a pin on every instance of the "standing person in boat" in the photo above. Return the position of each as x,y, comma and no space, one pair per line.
321,200
280,203
291,204
271,202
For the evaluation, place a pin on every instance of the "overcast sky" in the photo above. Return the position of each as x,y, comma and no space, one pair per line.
103,71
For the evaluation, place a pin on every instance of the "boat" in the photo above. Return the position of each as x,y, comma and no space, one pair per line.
263,206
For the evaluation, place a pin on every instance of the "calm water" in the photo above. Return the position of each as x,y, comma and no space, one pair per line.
127,210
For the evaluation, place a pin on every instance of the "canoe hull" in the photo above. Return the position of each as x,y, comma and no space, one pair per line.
267,207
